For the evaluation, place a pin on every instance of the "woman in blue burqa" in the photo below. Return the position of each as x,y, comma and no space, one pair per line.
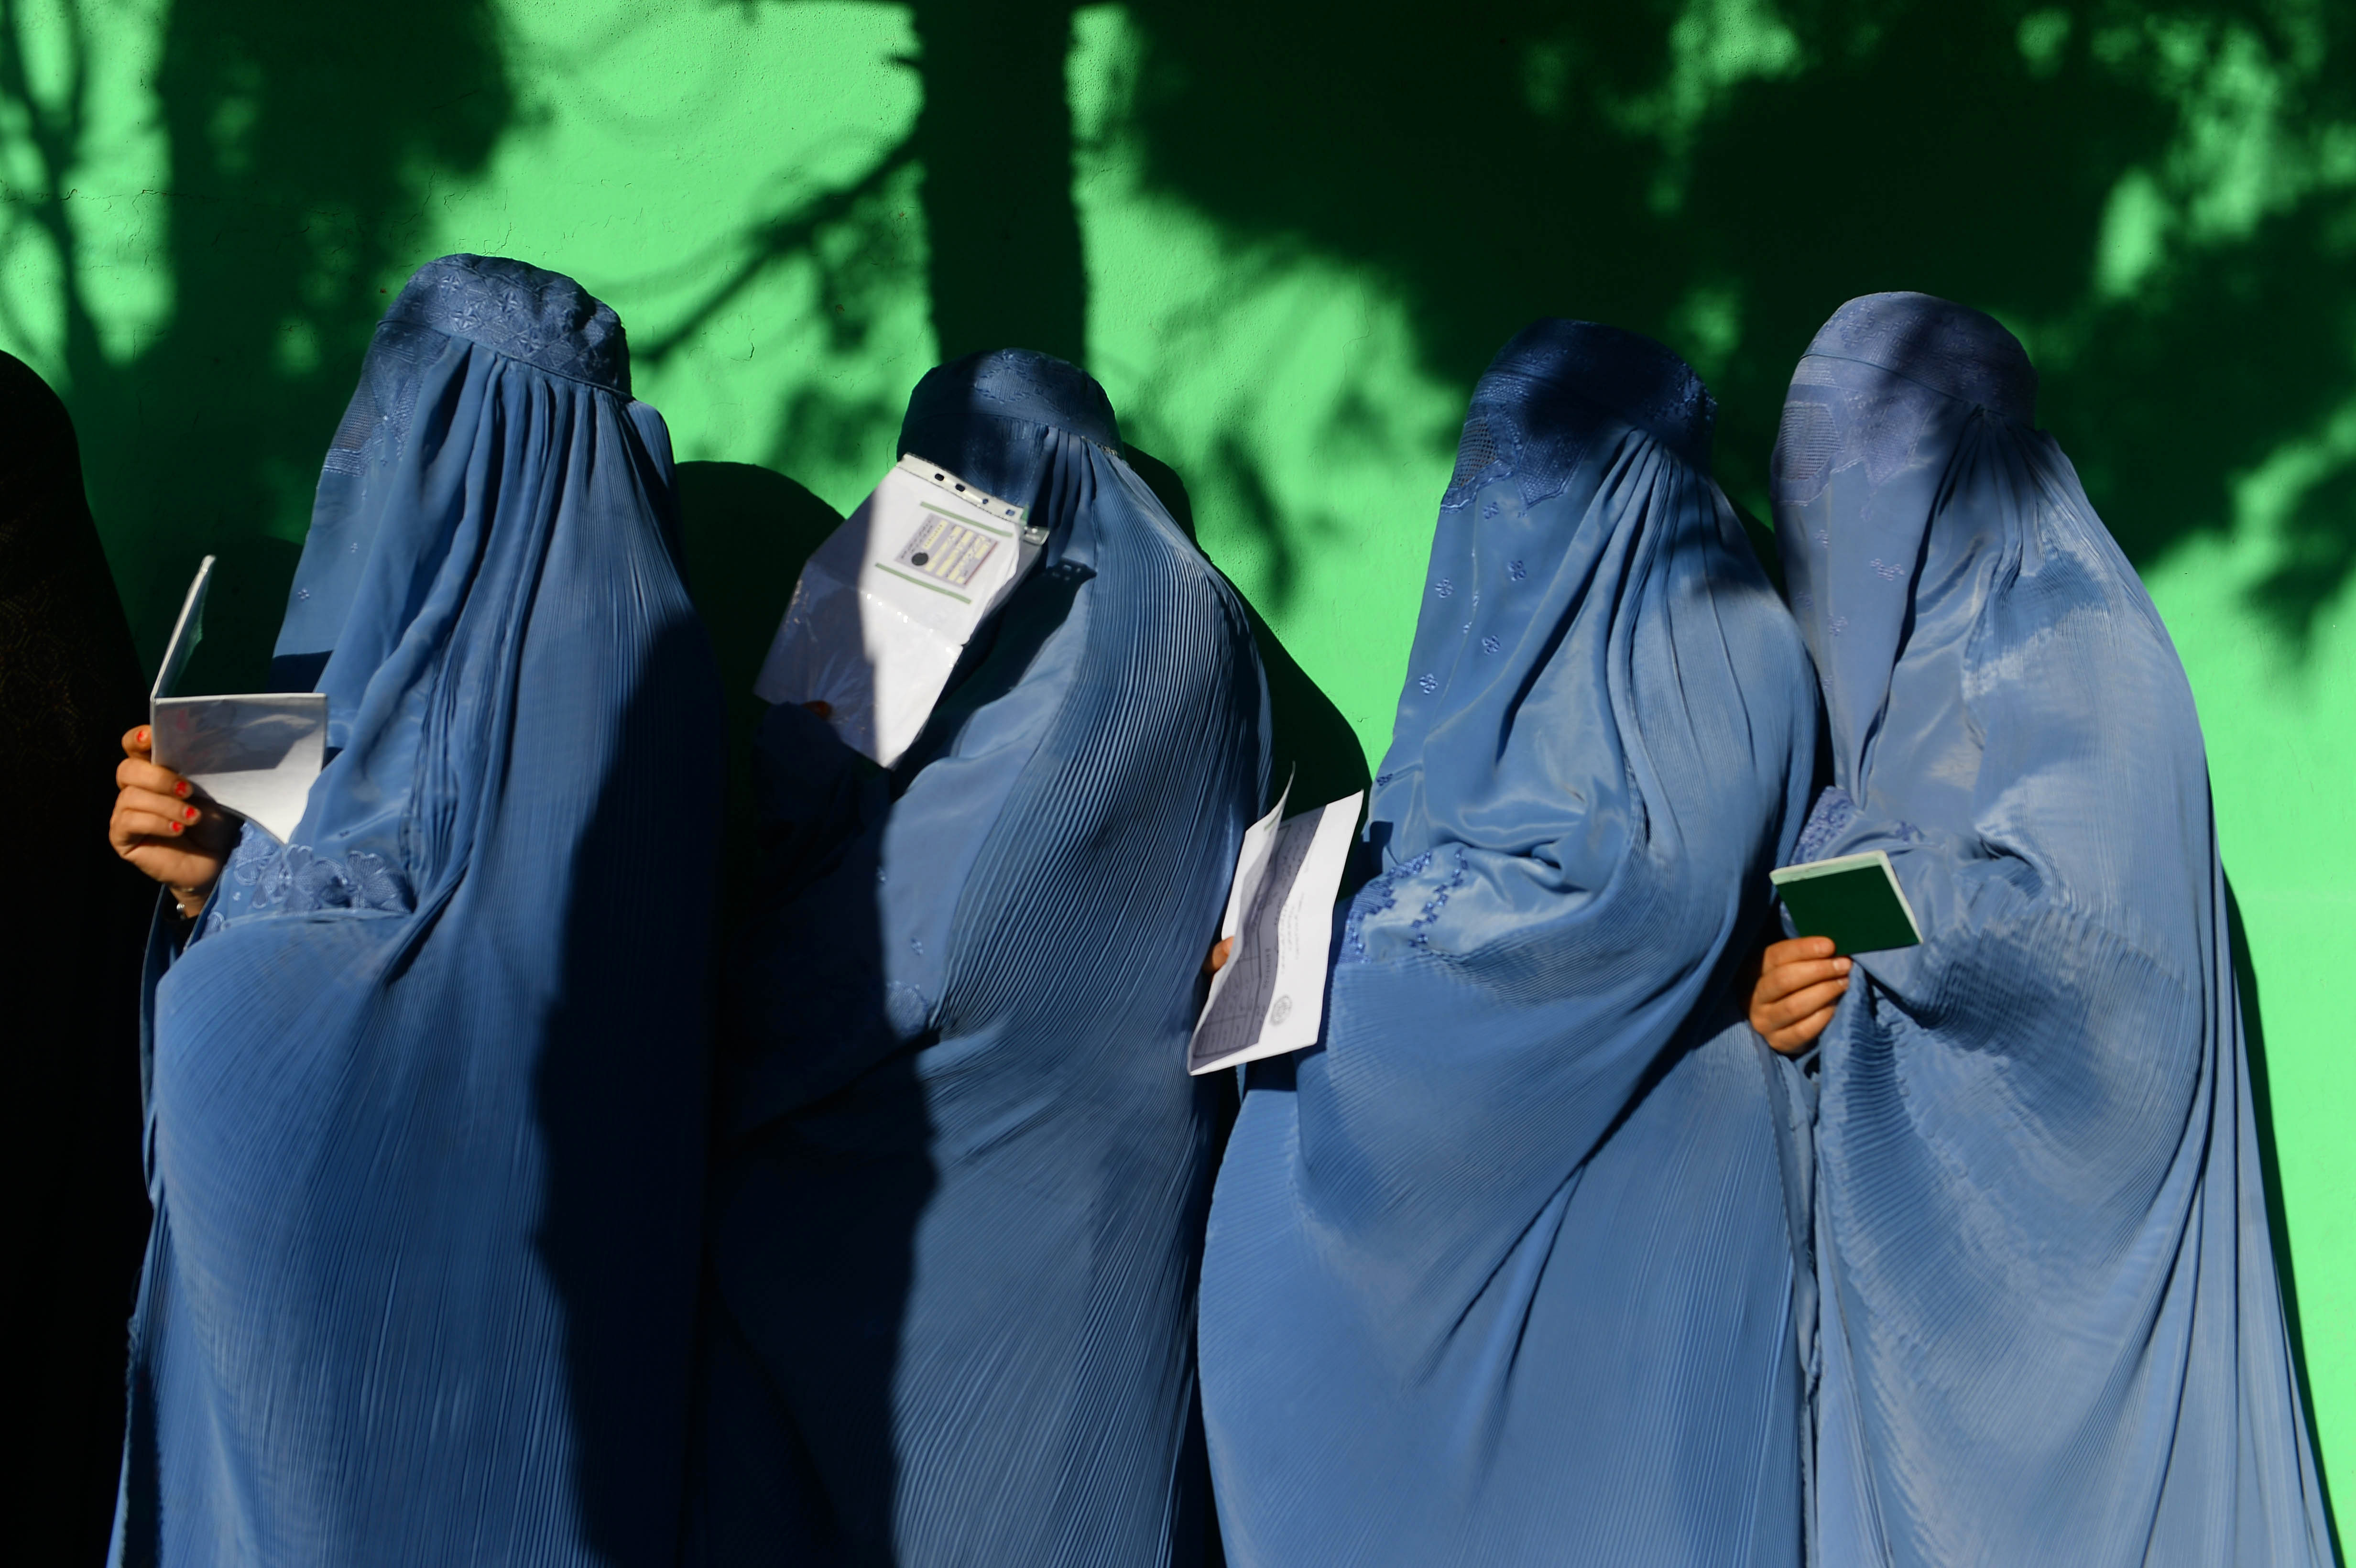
1504,1271
960,1216
2050,1326
426,1084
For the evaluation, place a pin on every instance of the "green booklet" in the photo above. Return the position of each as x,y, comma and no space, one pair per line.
1854,899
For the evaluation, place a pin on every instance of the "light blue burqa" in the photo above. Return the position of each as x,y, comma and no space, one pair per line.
1503,1273
2050,1326
960,1207
426,1089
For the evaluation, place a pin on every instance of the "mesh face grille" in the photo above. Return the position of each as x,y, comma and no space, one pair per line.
1479,451
1804,445
379,414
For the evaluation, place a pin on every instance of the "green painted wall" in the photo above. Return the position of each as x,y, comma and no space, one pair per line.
1286,234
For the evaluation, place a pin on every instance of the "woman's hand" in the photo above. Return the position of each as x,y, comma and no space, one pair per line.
163,827
1220,952
1794,987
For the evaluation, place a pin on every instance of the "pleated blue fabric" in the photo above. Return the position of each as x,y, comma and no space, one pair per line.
958,1232
2052,1327
1504,1271
427,1087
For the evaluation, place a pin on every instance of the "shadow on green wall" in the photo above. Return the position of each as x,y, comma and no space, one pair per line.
2099,175
1309,742
300,138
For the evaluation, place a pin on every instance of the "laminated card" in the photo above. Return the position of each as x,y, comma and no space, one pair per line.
254,755
1853,899
885,606
1269,998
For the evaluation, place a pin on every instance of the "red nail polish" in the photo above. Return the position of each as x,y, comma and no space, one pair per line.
176,827
182,789
190,814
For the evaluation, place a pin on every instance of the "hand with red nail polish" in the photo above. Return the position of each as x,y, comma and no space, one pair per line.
162,826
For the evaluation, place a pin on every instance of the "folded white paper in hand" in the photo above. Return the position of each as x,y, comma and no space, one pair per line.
1269,998
254,755
885,607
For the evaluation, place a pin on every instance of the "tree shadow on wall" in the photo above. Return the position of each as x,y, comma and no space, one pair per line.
1723,177
1309,742
301,139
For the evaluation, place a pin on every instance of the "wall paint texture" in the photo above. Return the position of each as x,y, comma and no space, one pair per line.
1285,234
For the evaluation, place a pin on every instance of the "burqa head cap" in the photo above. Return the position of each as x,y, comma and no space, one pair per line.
960,414
543,319
1949,347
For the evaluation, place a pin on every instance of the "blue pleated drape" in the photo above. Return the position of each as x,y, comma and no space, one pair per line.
427,1087
1505,1272
957,1229
2051,1329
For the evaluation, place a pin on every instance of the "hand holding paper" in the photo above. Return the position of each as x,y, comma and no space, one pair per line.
255,755
1269,996
164,828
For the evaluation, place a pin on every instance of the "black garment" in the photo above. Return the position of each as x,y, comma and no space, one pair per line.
69,952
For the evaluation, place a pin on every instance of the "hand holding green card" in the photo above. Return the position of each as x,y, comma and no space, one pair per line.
1853,899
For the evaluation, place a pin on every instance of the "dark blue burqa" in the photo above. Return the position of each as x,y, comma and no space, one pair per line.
958,1236
426,1090
1503,1273
2051,1331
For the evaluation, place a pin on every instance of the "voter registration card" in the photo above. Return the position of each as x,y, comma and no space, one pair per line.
887,605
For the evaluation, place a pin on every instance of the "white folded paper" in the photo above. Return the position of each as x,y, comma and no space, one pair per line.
254,755
1271,996
885,607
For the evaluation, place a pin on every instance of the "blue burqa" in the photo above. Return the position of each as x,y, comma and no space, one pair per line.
2050,1326
426,1089
1505,1272
958,1226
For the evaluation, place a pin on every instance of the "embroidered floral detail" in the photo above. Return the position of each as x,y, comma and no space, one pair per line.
1437,900
1517,571
1831,817
1804,601
1490,645
544,319
1827,820
1888,571
264,877
1443,588
1429,683
1376,897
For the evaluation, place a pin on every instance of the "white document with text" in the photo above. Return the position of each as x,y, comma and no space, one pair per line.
883,609
1270,996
